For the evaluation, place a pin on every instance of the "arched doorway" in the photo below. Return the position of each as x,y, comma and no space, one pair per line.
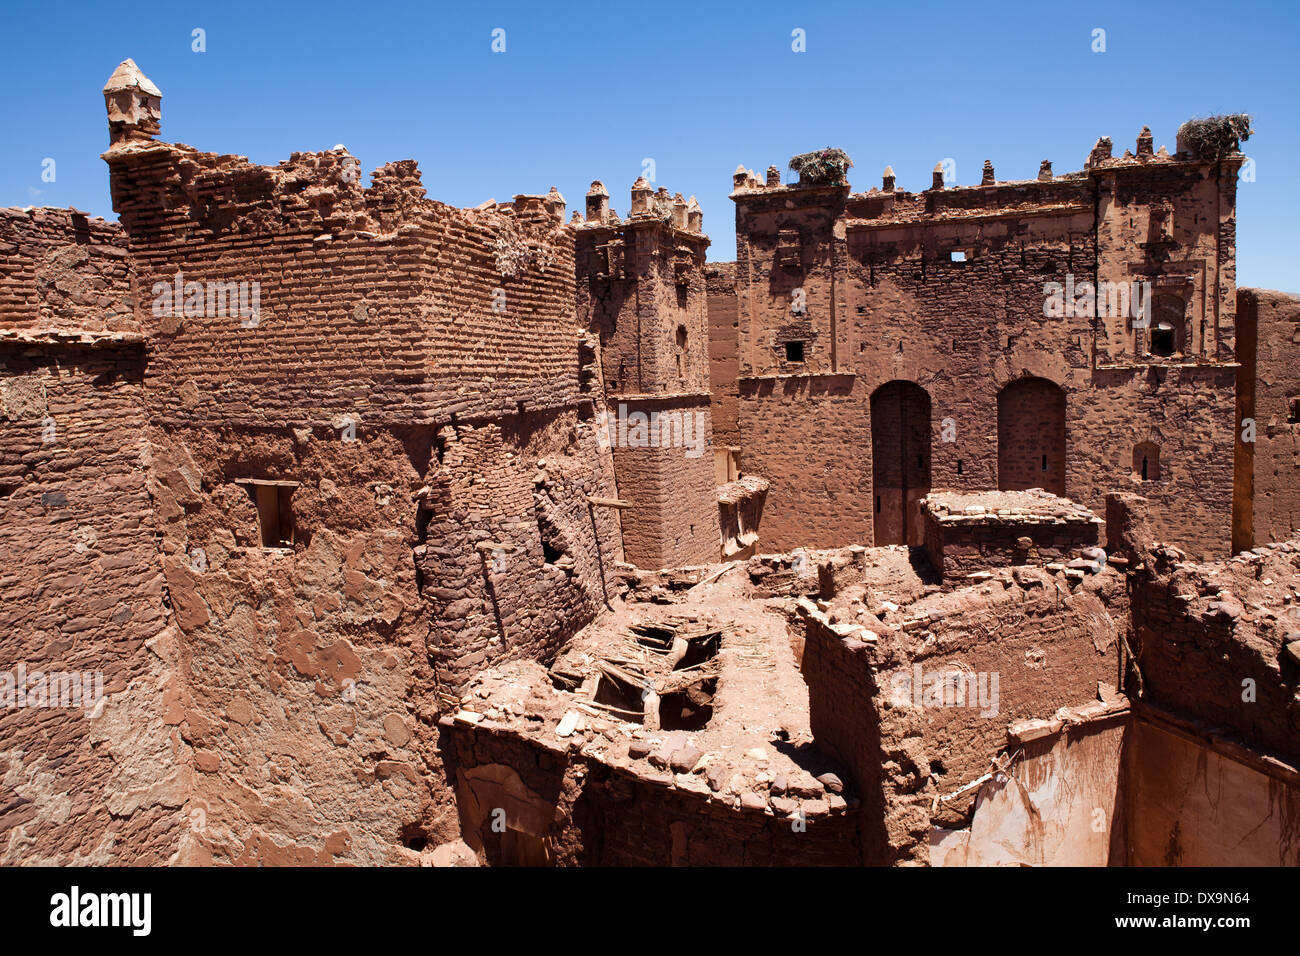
900,460
1031,436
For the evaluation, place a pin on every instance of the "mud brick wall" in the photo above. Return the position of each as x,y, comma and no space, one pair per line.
780,250
1175,225
887,302
667,524
596,815
63,270
811,438
374,302
307,691
1211,636
522,483
724,350
314,675
845,722
1186,411
1271,383
957,548
1050,645
81,591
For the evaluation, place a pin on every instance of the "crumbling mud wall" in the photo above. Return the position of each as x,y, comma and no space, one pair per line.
917,698
1214,641
90,770
1269,393
63,271
371,460
307,683
967,534
947,291
575,810
512,556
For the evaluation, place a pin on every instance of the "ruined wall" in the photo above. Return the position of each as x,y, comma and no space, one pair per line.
947,290
90,770
511,556
884,689
372,303
1270,381
408,373
740,512
63,270
594,815
1211,641
966,534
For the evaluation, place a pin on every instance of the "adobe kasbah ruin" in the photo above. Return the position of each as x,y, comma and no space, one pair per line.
947,528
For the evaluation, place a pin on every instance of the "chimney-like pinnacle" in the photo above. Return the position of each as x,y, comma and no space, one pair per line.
134,105
1146,143
936,180
988,178
887,180
694,216
597,202
641,193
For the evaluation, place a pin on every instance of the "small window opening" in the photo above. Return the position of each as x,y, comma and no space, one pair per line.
274,510
1293,412
794,351
957,255
959,466
1044,463
1146,461
877,504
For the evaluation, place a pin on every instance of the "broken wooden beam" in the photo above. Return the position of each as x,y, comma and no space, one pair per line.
608,502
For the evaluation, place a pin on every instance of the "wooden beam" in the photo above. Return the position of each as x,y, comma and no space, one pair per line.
609,502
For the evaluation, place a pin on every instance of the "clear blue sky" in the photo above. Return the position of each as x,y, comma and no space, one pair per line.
588,91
